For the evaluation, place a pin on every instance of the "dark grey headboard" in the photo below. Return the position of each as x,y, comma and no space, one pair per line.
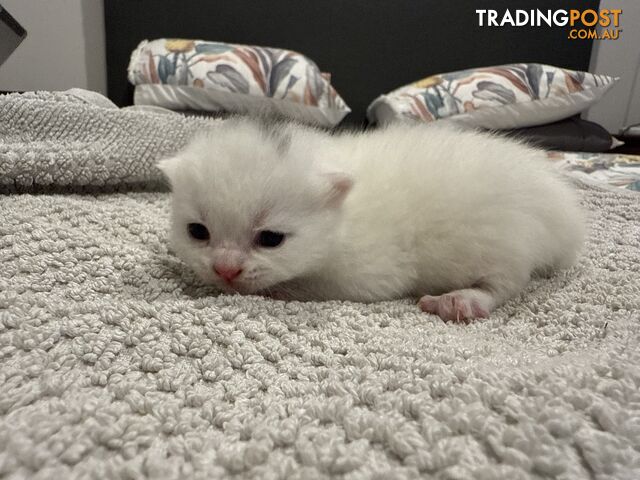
368,46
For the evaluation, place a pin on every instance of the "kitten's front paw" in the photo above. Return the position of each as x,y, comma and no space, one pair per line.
458,306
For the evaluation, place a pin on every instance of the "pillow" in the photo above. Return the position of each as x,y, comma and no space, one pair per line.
212,76
507,96
570,135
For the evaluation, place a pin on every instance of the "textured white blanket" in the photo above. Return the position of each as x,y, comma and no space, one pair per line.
116,363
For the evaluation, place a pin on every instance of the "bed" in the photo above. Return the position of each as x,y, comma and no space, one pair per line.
607,170
116,362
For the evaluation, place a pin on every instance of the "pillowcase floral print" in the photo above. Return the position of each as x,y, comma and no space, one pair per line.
238,69
466,92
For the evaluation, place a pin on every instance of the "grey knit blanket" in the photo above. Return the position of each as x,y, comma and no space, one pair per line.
80,139
115,362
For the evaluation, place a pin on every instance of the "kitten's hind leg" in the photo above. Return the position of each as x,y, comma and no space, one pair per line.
459,305
477,302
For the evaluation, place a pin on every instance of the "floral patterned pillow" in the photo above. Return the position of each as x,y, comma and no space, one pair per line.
501,97
198,75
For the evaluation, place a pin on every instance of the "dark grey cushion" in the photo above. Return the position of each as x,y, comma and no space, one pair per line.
572,134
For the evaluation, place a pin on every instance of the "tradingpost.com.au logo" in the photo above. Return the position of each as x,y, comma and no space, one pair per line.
582,23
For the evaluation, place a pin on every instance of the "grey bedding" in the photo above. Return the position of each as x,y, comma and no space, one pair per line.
80,139
115,362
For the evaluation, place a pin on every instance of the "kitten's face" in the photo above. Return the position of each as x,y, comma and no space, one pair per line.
251,212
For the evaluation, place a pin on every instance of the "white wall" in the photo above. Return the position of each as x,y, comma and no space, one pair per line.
633,115
64,47
619,58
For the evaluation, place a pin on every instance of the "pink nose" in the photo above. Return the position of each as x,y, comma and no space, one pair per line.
226,272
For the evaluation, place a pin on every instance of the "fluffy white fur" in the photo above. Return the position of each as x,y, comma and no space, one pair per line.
461,219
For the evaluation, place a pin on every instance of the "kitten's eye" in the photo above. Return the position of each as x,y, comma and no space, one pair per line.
269,239
198,231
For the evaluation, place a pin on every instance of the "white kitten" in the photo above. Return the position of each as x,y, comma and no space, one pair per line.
462,219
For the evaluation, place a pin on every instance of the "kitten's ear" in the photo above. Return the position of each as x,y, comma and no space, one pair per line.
340,184
169,166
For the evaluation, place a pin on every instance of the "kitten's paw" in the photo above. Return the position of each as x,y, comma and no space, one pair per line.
458,306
